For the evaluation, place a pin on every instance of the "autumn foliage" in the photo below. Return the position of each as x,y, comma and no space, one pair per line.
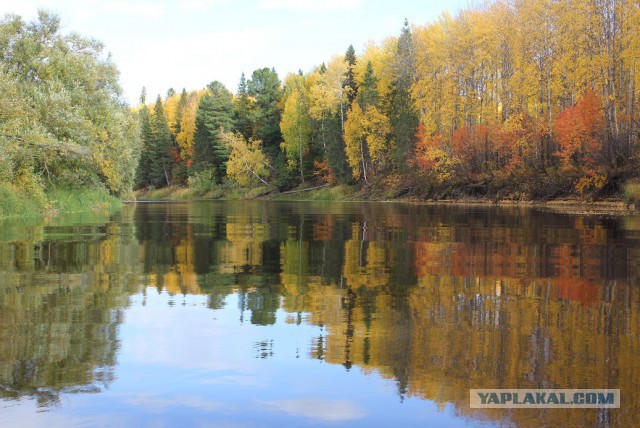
515,99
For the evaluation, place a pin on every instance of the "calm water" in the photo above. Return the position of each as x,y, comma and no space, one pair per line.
250,314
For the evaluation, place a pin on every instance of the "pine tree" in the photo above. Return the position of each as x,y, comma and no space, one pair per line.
215,113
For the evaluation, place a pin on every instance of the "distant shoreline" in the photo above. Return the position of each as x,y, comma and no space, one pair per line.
573,205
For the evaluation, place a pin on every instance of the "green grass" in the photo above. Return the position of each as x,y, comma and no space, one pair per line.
341,192
78,200
631,194
14,203
231,191
225,191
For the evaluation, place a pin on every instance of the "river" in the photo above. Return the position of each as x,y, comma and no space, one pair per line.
265,313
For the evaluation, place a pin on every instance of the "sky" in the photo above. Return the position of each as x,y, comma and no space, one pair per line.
162,44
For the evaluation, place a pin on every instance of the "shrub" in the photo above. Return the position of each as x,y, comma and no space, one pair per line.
203,182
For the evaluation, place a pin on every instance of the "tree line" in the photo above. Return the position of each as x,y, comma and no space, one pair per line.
510,98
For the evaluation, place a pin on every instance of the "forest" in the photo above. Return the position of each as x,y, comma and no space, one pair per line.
511,99
505,100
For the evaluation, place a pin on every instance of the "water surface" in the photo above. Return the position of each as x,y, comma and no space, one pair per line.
294,314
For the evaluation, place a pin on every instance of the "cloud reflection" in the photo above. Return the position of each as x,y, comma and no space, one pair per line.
317,408
156,404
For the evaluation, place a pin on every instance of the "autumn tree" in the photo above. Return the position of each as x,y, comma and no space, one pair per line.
328,104
580,131
367,129
247,164
186,131
296,124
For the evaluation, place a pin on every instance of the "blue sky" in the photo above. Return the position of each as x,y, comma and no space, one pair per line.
189,43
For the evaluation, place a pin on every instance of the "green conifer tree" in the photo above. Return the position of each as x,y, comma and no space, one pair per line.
403,116
368,91
243,112
143,172
350,81
161,161
215,113
266,88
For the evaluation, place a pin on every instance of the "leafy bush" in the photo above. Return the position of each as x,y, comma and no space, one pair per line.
12,202
203,182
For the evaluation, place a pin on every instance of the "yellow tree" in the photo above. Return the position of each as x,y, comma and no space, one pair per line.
188,124
327,91
434,91
247,164
366,137
295,124
172,110
382,59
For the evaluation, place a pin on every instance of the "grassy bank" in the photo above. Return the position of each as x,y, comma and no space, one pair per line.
221,192
629,200
233,192
14,203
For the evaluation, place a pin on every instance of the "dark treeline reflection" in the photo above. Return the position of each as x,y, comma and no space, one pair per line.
439,299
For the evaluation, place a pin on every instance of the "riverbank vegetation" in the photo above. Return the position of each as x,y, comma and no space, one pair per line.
532,100
67,140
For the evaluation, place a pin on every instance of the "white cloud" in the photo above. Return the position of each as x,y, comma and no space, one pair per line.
310,5
143,9
87,9
193,61
200,4
244,380
317,408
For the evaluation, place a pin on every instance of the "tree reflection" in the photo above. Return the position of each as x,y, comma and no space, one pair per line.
443,299
438,299
62,297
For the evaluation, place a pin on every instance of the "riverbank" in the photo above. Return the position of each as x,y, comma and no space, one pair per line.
571,204
14,203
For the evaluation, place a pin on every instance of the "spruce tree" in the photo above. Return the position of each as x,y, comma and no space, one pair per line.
403,116
243,113
143,172
350,81
368,91
161,160
266,88
215,113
